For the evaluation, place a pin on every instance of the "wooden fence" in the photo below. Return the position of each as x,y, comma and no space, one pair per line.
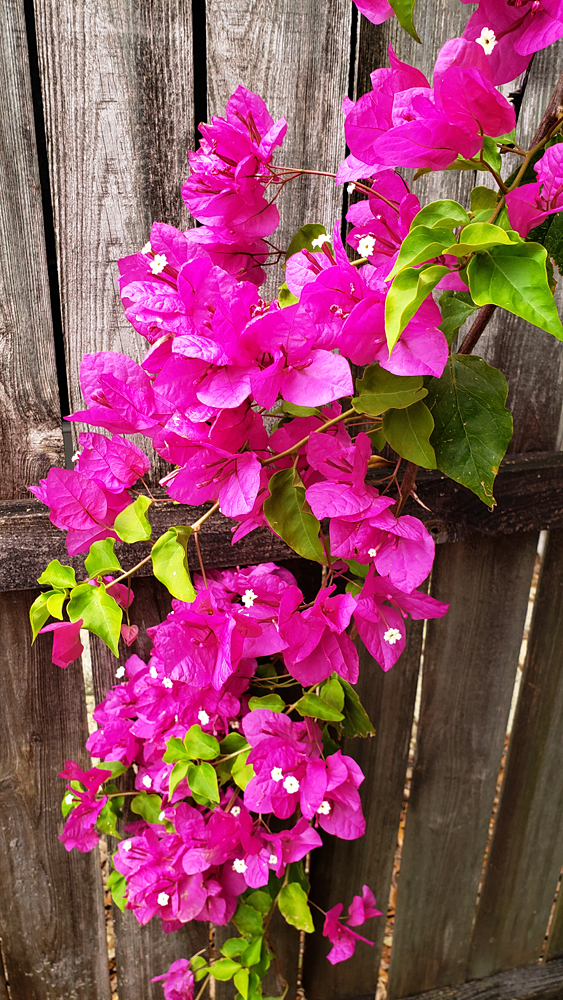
98,105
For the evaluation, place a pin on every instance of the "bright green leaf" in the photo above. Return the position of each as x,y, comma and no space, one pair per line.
490,153
472,425
443,214
202,780
290,516
483,199
251,956
55,603
175,751
271,701
333,692
303,239
147,806
117,886
101,559
404,11
478,236
356,720
116,767
177,774
224,969
456,308
260,900
58,575
285,297
233,947
241,982
132,524
379,390
107,819
200,745
294,907
407,293
99,612
232,743
515,278
300,411
408,432
241,771
39,613
316,708
247,920
421,244
170,562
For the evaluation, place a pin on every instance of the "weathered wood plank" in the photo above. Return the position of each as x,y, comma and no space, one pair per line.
554,947
535,982
344,866
296,55
469,667
51,908
142,952
30,415
526,854
118,85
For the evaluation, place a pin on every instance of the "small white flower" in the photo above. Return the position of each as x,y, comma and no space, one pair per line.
120,672
163,898
235,811
351,188
127,845
235,724
323,238
291,784
248,598
239,866
161,817
487,39
372,553
69,799
276,774
147,781
76,456
324,808
366,246
153,672
203,716
147,248
392,636
272,860
167,683
159,263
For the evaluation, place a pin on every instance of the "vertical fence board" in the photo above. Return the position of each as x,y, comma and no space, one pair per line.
142,952
554,947
526,853
51,909
344,866
118,84
30,415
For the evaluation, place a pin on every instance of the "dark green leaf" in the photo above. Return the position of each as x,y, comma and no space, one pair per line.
404,11
132,524
202,780
294,907
232,743
290,516
99,612
456,308
117,886
314,707
170,562
107,819
300,411
408,432
333,692
58,575
147,806
285,297
407,293
550,235
248,920
260,900
421,244
101,559
379,390
296,873
303,239
472,426
356,720
443,214
271,701
200,745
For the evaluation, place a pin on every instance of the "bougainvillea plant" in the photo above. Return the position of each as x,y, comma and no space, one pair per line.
295,415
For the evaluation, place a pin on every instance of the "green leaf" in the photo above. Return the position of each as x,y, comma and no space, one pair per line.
200,745
356,720
260,900
132,524
408,432
285,297
58,575
490,153
99,612
177,774
479,236
202,780
421,244
550,234
379,390
294,907
515,278
296,873
241,982
300,411
233,947
67,806
251,956
223,969
404,11
316,708
247,920
472,426
39,613
242,772
407,293
101,559
443,214
117,886
107,819
175,751
147,806
170,562
483,199
290,516
456,308
55,603
271,701
232,743
303,239
115,766
333,692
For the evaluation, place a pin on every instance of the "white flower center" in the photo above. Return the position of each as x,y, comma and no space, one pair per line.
120,672
318,242
235,724
203,716
248,598
351,188
487,39
147,782
76,456
126,845
167,683
273,860
372,553
276,774
69,799
163,898
291,784
324,808
161,817
147,248
235,810
392,636
153,672
159,263
239,865
366,246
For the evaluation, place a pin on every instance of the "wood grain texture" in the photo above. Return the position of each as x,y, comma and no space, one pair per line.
340,870
30,415
296,55
535,982
554,946
527,854
118,92
51,908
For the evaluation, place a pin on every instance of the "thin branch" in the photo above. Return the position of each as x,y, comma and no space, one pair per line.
483,318
201,566
407,485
